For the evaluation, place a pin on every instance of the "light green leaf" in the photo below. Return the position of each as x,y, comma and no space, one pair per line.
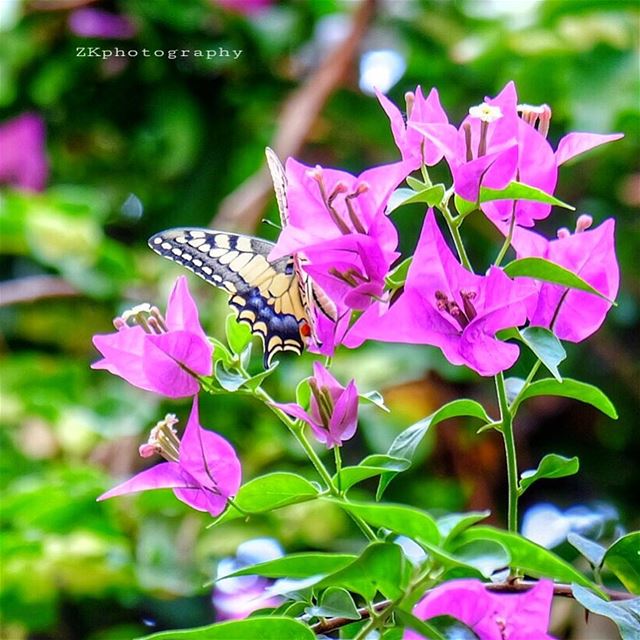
335,602
487,556
416,184
238,334
249,629
520,191
623,558
591,550
569,388
221,353
464,207
551,466
229,380
255,381
546,346
374,397
453,524
405,443
297,565
268,492
527,555
542,269
406,521
432,196
370,467
381,568
625,613
398,276
425,629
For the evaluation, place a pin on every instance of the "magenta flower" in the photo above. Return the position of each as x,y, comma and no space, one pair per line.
446,306
325,204
573,315
236,598
96,23
155,353
492,616
415,148
23,160
202,468
334,408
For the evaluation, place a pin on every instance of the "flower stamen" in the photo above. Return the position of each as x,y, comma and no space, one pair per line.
452,308
163,440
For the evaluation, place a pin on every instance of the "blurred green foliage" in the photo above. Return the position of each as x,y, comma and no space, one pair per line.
168,139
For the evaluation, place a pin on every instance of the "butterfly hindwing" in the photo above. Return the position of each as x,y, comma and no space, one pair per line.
265,295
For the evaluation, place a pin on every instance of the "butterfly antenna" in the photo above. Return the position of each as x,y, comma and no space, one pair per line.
271,224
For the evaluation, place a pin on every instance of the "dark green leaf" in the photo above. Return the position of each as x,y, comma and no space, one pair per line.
520,191
297,565
526,555
623,558
569,388
542,269
625,613
551,466
238,334
335,602
249,629
406,521
591,550
269,492
405,443
381,568
546,346
371,466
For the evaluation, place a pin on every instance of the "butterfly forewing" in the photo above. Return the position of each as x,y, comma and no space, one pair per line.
265,295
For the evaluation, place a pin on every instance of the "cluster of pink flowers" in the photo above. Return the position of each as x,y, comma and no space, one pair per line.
340,223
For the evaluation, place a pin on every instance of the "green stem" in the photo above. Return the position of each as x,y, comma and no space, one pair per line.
527,382
507,242
338,459
453,224
510,451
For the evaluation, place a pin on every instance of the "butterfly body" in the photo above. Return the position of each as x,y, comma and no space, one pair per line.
265,295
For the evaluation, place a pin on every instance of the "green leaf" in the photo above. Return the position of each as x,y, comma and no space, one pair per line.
526,555
425,629
249,629
238,334
542,269
405,443
623,558
520,191
569,388
591,550
551,466
221,353
546,346
416,184
625,613
268,492
432,196
303,393
455,523
464,207
371,466
297,565
406,521
255,381
380,568
335,602
229,380
374,397
396,278
487,556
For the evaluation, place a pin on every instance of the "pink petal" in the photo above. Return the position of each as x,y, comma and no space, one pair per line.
182,312
165,475
344,420
575,143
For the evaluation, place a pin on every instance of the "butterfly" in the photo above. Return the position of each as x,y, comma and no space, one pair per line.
276,299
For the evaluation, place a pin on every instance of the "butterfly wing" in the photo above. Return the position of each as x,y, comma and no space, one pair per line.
265,295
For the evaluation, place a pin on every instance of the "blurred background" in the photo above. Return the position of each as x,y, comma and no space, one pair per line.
98,152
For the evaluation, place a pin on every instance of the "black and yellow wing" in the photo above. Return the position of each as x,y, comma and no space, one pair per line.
265,295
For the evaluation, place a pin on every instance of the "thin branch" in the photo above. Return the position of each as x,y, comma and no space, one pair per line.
34,288
243,208
561,590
